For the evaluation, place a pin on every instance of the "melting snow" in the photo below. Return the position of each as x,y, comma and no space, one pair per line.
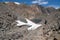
17,3
32,27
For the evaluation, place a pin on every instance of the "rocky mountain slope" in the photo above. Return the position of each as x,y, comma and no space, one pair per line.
50,19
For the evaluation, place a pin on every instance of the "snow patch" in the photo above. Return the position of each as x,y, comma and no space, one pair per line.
6,2
17,3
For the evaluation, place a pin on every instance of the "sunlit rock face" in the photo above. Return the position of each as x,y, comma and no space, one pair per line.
10,12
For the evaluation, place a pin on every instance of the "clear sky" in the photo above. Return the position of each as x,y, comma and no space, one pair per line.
53,3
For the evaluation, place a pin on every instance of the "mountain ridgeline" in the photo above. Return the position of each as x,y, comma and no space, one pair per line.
29,11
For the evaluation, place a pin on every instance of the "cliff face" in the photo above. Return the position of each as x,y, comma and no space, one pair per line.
9,12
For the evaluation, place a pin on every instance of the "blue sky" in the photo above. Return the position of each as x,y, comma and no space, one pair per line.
51,3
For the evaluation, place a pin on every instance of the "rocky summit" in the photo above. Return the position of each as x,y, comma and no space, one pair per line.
49,17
